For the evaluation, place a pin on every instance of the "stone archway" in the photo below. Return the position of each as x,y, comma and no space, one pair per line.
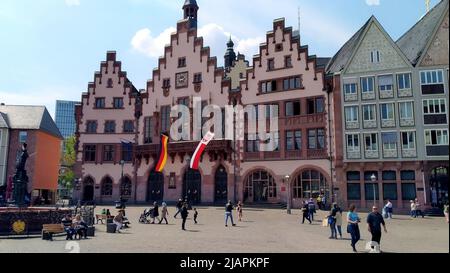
260,187
155,187
221,185
192,186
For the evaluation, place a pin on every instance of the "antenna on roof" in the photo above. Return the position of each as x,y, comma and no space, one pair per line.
427,4
299,21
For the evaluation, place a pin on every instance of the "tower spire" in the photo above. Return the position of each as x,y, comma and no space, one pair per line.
190,9
230,55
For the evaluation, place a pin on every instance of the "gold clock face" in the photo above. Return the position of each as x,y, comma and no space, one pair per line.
18,226
182,80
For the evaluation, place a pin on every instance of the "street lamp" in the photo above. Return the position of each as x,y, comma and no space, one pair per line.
374,179
122,164
185,182
287,179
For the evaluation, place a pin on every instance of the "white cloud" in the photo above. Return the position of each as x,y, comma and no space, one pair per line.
72,3
373,2
250,46
145,43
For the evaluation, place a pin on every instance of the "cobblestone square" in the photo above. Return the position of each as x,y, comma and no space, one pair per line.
262,231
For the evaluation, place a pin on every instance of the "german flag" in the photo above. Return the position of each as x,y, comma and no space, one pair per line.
163,154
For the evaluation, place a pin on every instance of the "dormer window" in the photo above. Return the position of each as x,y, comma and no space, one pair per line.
182,62
110,83
375,57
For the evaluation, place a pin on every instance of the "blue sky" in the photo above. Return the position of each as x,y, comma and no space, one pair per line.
50,49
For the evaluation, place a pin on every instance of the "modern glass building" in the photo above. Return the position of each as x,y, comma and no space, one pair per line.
65,117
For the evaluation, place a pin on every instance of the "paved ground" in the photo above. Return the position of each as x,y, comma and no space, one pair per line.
263,231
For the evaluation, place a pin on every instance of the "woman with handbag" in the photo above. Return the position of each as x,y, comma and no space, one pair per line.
353,228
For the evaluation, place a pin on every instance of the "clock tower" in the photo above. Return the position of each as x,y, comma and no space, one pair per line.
190,9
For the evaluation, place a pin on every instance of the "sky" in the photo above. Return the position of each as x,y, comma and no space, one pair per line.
50,49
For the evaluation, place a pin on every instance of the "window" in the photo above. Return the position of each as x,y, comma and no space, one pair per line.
431,77
118,103
408,140
353,176
107,187
310,184
293,108
128,126
252,145
367,84
271,110
390,191
351,113
270,86
241,75
389,141
387,111
385,83
288,61
353,191
126,187
108,153
406,110
350,88
409,191
316,139
127,152
148,130
278,47
434,106
110,83
89,153
182,62
375,56
198,78
110,127
368,176
315,106
270,64
91,127
100,103
165,119
371,142
436,137
369,112
23,137
292,83
353,143
166,83
389,176
408,175
294,140
370,190
404,81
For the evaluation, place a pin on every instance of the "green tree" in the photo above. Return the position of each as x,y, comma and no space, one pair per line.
67,175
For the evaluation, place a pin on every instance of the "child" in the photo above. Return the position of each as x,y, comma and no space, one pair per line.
195,215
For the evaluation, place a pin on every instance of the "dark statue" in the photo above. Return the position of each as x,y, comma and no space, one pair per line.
20,180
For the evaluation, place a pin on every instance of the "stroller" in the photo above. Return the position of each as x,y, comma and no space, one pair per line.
144,218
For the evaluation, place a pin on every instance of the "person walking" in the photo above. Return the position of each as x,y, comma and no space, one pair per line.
305,210
353,226
419,209
164,213
179,207
184,214
239,211
374,222
311,209
229,213
413,209
389,209
155,212
332,221
195,215
446,211
339,221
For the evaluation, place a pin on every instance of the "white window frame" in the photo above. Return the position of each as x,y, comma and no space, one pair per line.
375,56
411,111
403,76
353,148
366,79
427,82
374,112
444,137
409,147
352,92
426,102
393,111
352,113
377,142
379,85
390,148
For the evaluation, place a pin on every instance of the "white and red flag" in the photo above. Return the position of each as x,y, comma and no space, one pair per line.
195,161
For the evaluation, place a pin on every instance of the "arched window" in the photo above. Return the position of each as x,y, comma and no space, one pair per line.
310,184
107,187
125,187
